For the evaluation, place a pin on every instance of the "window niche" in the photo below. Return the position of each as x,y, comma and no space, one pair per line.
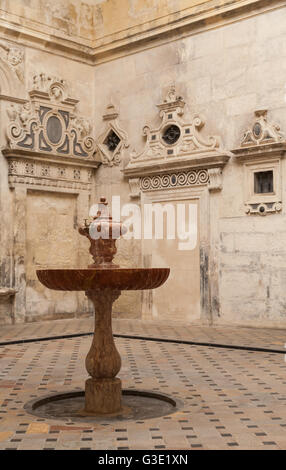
263,182
261,152
263,187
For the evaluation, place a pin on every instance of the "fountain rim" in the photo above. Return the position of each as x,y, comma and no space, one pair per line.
99,278
98,268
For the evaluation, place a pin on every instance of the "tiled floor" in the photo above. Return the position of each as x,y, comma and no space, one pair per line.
225,335
232,399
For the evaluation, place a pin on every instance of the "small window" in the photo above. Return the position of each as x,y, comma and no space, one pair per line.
263,182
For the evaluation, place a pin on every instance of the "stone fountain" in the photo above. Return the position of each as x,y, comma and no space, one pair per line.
103,282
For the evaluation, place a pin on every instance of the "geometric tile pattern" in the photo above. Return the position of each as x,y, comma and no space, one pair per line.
264,338
232,399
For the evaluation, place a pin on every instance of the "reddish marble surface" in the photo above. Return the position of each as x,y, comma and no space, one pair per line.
112,278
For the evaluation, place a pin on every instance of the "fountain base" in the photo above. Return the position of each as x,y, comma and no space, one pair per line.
136,405
103,396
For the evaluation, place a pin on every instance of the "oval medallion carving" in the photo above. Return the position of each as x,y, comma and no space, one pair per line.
54,129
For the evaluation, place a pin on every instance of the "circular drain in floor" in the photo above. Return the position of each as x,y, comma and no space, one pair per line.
137,405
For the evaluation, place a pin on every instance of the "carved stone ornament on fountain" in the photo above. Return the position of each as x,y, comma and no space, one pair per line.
261,149
112,142
47,140
176,152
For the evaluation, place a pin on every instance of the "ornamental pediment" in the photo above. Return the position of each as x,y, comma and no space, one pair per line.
113,140
49,124
176,143
261,139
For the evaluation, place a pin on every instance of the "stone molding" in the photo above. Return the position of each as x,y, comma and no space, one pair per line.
6,293
38,171
113,140
174,180
154,32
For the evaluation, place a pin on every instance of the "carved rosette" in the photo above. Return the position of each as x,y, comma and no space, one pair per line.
112,142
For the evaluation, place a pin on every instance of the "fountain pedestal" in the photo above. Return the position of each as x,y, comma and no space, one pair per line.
103,362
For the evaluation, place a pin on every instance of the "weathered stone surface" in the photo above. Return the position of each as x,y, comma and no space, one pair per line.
225,74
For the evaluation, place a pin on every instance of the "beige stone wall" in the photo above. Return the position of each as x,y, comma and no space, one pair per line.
98,19
224,74
28,217
224,65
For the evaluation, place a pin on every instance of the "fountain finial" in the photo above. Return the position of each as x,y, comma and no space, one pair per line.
102,233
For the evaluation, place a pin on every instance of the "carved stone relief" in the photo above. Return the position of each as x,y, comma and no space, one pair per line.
173,180
262,147
13,56
48,142
262,132
112,142
48,123
178,145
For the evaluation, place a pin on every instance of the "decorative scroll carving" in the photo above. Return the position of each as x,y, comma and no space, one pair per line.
175,144
48,143
172,180
48,123
261,131
112,142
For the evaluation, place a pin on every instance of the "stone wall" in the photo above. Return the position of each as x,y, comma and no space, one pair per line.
118,60
224,74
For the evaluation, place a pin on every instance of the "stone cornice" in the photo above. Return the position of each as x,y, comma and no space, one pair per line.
161,30
50,158
271,150
155,168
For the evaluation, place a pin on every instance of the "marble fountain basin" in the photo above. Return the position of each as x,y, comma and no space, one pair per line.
103,278
103,285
